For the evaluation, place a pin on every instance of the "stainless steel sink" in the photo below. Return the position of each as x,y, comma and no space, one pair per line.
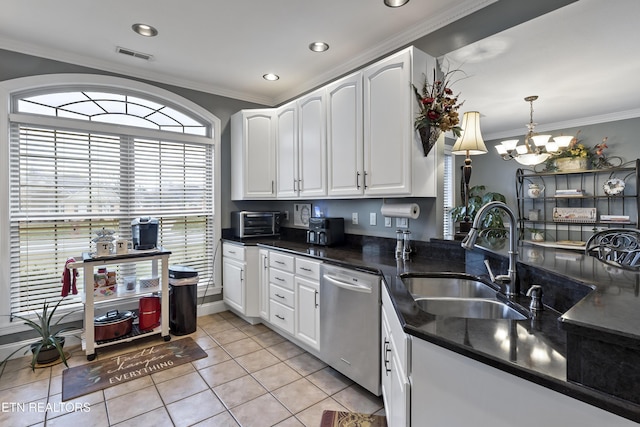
459,295
469,308
459,286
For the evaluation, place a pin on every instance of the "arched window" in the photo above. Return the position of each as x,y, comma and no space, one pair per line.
97,154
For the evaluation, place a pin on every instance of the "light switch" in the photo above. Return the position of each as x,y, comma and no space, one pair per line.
354,218
372,218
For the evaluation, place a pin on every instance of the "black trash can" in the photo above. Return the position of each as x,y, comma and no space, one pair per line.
183,292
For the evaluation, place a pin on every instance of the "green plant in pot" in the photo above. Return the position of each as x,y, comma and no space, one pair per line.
493,229
537,235
49,346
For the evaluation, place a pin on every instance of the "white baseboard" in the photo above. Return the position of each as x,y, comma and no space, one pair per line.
73,337
211,308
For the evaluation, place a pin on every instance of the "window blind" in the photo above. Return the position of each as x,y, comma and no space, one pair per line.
65,185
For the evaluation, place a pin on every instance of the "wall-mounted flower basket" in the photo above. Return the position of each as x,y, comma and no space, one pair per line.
429,136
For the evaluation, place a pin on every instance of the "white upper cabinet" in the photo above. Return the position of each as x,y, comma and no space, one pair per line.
345,167
393,159
312,145
287,150
352,138
301,148
253,166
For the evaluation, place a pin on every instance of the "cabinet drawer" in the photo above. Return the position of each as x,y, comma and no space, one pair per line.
230,250
281,278
281,316
308,268
281,295
281,261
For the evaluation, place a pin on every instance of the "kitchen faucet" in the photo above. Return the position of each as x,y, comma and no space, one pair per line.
509,279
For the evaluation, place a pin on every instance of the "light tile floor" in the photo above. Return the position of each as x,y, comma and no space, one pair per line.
252,377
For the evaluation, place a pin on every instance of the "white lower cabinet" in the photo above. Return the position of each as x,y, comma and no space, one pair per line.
263,283
281,291
395,381
293,297
308,312
240,289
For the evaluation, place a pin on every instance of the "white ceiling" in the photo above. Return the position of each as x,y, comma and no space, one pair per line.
579,59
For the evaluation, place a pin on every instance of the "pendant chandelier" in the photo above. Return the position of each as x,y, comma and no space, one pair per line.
536,148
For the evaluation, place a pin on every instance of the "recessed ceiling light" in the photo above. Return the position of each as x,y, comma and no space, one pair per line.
318,46
144,30
271,77
395,3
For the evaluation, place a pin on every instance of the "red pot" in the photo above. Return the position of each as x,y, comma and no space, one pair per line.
112,325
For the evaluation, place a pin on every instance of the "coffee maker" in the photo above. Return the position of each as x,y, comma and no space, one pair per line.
144,231
325,231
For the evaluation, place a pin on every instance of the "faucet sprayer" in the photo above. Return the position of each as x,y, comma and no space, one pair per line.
509,279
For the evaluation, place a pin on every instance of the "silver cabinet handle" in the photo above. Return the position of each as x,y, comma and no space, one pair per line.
279,317
365,180
315,297
358,180
305,269
387,350
280,296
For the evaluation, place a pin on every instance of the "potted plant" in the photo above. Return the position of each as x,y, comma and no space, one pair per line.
578,157
49,346
537,235
492,223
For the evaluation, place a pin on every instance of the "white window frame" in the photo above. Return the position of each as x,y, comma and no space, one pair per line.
10,87
449,187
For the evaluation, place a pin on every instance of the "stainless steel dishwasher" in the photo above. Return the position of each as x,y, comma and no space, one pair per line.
350,324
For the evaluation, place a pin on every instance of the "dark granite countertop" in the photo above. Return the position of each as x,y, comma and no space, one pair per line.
614,304
533,349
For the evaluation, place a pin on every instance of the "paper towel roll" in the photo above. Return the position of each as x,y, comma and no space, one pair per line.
401,210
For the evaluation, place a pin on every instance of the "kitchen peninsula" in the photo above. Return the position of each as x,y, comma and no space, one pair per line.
534,356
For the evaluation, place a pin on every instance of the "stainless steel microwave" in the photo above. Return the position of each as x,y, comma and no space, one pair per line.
255,224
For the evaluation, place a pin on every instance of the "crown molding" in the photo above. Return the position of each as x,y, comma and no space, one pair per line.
584,121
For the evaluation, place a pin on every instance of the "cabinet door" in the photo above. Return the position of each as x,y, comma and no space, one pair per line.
395,381
287,151
344,137
388,126
312,146
253,155
263,283
385,366
307,312
233,284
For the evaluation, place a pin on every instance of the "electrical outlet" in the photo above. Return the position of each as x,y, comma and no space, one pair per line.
354,218
402,222
286,215
387,221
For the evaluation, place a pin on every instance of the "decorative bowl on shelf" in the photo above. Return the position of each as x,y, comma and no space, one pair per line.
613,187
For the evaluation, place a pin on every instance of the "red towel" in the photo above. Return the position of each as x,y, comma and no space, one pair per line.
69,279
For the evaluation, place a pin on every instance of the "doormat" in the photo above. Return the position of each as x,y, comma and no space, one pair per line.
351,419
85,379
